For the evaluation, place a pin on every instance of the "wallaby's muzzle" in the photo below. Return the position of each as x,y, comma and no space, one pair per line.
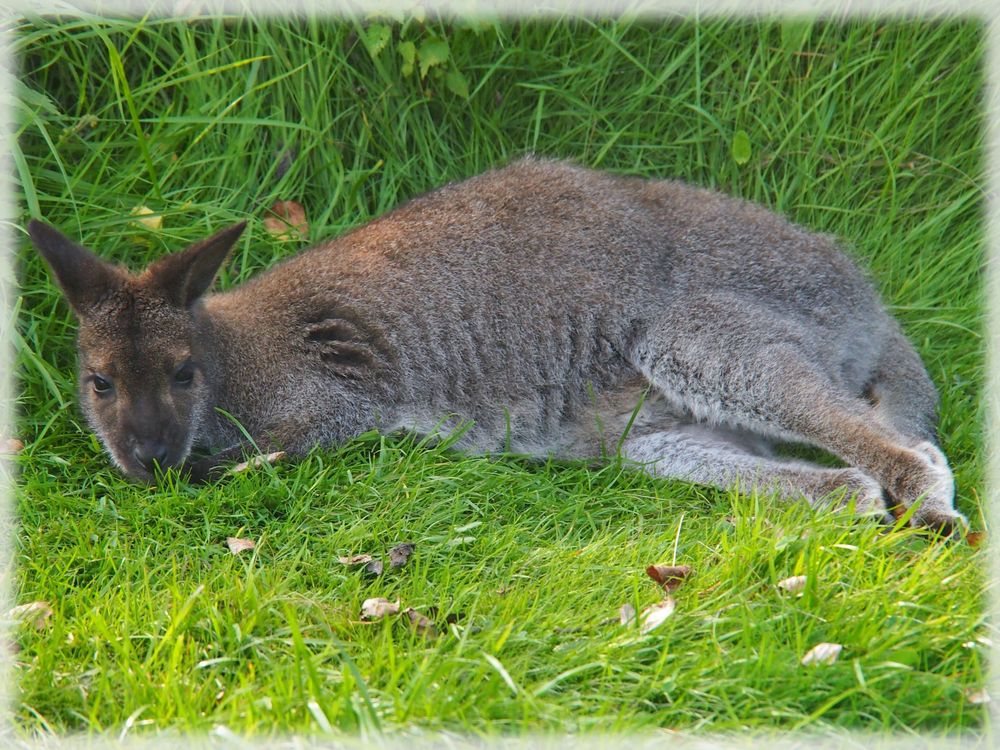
150,454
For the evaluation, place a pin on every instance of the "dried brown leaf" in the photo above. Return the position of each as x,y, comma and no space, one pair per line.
10,446
793,585
256,461
822,653
422,624
975,538
37,613
977,697
374,568
286,220
353,560
237,545
400,555
377,608
655,615
669,576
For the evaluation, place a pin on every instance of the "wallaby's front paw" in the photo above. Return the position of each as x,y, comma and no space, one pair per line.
205,470
844,485
928,481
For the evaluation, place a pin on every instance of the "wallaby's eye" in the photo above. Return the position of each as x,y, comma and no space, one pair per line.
184,374
101,386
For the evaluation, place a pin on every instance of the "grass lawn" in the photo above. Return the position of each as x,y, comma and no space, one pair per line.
872,131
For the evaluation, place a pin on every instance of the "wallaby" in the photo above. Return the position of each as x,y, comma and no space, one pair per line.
558,310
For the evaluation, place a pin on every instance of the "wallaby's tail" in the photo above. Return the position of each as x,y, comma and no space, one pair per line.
901,391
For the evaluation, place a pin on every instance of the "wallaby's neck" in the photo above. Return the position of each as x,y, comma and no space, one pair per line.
215,344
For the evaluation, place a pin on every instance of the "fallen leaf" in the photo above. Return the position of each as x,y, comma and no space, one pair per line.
256,461
377,608
353,560
655,615
977,697
239,545
37,613
793,585
147,218
422,624
286,220
374,568
822,653
400,555
626,614
975,538
669,576
11,446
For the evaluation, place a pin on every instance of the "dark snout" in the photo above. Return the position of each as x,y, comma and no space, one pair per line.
151,454
152,438
143,455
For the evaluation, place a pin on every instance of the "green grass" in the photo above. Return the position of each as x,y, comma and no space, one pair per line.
872,131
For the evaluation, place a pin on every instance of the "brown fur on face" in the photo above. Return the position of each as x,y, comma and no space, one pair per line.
146,408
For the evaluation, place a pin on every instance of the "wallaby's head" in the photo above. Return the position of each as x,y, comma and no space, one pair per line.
143,364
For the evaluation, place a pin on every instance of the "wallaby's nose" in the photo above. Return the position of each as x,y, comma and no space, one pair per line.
150,452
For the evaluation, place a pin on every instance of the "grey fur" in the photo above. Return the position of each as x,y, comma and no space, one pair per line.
540,301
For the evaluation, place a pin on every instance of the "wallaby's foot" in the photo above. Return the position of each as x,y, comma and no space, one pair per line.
924,477
839,487
205,470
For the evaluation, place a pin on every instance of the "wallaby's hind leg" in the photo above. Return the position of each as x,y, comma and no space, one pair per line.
753,372
697,453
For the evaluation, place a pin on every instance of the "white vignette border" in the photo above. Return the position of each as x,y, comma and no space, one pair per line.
12,236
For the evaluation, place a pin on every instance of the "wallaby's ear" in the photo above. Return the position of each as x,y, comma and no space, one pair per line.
83,277
183,277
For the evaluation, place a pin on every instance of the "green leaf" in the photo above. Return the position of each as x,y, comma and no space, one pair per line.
432,52
376,37
457,84
741,147
408,51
